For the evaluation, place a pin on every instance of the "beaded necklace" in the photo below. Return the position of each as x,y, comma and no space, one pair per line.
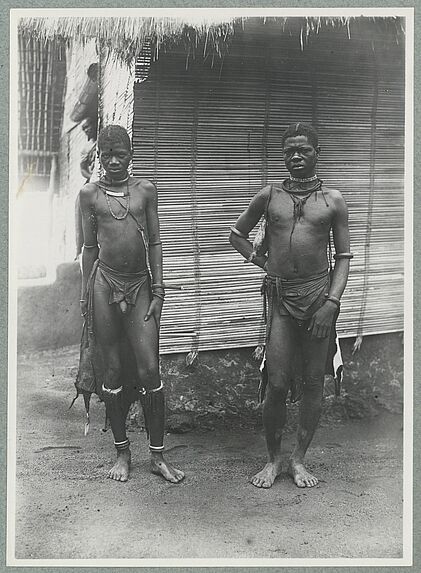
300,200
108,193
305,180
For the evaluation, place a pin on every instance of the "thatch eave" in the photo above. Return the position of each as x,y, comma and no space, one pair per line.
124,37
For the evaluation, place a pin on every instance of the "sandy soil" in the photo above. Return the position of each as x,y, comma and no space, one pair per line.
66,508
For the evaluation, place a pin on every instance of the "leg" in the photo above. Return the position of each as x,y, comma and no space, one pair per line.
279,357
314,358
108,329
143,337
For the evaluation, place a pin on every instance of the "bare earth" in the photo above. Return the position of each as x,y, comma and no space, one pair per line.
66,508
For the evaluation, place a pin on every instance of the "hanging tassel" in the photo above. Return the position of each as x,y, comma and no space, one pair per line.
263,381
145,400
259,352
191,357
87,424
357,344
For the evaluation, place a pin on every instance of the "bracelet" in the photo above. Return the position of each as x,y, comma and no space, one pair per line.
89,246
337,256
334,299
239,233
82,300
155,243
158,285
157,295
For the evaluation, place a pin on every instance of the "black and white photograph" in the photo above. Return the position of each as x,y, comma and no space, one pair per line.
210,287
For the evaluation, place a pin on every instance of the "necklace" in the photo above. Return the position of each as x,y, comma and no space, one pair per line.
299,201
305,180
108,193
114,193
117,181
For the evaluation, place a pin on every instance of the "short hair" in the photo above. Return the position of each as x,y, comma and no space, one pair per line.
114,134
301,128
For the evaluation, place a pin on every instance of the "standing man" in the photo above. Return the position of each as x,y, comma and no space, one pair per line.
87,157
302,297
122,309
87,165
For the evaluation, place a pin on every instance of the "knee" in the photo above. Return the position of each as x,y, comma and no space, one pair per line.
112,377
111,395
313,382
279,384
149,376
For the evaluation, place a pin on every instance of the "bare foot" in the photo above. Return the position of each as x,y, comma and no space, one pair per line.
160,466
120,470
267,476
301,477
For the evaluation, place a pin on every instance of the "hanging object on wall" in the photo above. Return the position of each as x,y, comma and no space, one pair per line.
87,102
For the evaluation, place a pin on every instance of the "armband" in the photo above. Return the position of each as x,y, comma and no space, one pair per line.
239,233
337,256
89,246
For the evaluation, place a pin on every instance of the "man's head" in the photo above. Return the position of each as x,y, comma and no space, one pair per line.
300,145
89,126
114,151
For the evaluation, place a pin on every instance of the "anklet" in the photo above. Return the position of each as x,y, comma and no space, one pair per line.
120,446
156,448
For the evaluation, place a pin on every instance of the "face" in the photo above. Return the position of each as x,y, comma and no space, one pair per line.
300,156
115,159
88,128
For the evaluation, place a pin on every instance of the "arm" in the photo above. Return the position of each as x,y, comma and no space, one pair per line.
87,159
89,253
78,227
321,321
245,223
155,253
84,169
84,164
340,229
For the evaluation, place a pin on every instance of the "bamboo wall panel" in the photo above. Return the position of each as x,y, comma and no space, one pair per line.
209,137
42,73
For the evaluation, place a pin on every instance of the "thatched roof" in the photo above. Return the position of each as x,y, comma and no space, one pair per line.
124,37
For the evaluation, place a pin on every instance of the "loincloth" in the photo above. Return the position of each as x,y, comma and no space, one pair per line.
90,376
123,286
300,299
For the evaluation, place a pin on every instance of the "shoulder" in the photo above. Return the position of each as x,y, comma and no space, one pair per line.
334,195
144,186
262,197
88,193
337,204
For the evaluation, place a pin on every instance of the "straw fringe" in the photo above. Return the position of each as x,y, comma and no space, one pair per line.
125,37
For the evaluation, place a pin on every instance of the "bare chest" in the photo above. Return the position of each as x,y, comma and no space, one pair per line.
310,211
110,208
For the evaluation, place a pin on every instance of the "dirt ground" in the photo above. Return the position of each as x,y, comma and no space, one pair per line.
66,508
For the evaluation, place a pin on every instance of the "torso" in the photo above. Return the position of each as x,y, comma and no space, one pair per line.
121,244
304,253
